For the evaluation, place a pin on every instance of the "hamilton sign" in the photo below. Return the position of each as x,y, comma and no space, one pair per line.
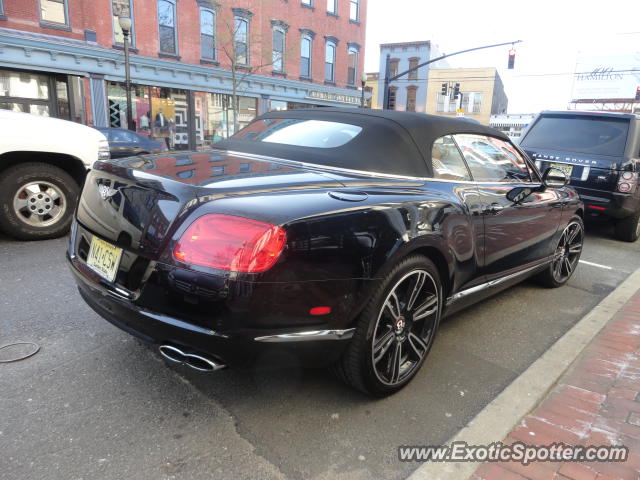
333,97
606,77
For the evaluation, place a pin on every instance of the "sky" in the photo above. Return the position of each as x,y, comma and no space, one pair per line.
553,34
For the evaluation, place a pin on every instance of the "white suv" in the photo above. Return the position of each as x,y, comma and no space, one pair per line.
43,163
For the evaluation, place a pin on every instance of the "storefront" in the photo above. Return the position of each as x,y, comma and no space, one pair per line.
48,95
183,119
187,106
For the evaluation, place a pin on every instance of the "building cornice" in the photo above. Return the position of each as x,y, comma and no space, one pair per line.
306,31
75,57
280,24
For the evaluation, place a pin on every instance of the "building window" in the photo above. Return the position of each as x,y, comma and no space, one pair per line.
54,11
244,167
307,3
477,102
393,67
121,8
305,56
329,62
1,8
207,34
278,49
241,38
413,63
354,10
332,7
218,170
352,66
411,98
392,98
167,26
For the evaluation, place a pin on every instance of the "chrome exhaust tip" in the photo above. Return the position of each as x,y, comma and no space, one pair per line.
193,360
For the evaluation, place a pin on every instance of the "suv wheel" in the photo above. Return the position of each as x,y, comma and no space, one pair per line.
37,201
628,229
395,331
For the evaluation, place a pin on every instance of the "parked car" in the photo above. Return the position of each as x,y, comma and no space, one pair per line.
600,153
332,236
43,163
127,143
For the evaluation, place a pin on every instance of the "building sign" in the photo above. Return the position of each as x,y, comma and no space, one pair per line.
333,97
606,77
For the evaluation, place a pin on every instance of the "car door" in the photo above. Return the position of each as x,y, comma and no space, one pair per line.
464,231
517,236
123,144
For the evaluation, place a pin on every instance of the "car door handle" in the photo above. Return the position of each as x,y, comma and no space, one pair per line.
494,208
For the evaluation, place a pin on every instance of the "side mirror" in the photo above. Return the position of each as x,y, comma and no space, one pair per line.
554,177
518,194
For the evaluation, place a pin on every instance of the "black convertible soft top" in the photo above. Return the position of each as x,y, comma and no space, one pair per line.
391,142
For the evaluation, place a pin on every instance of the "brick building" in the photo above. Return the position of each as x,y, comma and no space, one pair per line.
65,58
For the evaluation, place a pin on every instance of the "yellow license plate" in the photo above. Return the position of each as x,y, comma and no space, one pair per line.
104,258
567,169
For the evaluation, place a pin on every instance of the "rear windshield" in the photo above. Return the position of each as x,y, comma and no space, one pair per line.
593,135
301,133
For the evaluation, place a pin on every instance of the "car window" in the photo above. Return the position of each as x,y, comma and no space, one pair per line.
106,133
446,161
301,133
123,136
492,159
595,135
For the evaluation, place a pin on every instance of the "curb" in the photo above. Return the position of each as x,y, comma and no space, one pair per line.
496,420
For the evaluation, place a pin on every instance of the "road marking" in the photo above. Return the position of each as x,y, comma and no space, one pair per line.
596,265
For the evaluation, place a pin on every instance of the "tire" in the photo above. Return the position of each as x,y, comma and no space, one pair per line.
566,255
36,201
628,229
400,352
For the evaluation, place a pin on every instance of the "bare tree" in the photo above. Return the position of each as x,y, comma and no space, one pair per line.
239,44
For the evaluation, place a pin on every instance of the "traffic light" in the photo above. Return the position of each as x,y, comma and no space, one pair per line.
456,90
512,58
445,89
638,93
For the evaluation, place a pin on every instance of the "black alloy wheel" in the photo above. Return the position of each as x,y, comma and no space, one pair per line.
396,330
566,255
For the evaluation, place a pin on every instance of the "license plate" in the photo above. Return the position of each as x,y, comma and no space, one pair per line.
567,169
104,258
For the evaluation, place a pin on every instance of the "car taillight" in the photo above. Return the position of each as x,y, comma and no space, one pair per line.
226,242
627,182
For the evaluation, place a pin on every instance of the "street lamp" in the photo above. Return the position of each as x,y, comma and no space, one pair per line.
125,25
363,81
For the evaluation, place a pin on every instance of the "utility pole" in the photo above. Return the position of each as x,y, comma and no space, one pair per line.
125,25
363,81
387,79
385,98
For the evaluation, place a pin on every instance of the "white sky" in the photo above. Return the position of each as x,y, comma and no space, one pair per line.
552,32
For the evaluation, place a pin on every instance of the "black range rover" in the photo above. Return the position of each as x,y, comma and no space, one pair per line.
600,153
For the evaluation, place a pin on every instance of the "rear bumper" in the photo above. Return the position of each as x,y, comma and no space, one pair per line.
235,322
234,348
612,204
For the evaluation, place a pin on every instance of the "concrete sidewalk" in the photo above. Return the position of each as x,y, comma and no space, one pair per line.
596,402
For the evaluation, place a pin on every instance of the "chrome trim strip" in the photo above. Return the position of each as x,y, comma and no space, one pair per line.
308,336
493,283
365,173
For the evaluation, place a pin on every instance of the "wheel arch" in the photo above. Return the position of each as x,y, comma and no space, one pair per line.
70,164
441,263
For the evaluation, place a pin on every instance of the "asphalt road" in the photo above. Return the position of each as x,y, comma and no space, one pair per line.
95,403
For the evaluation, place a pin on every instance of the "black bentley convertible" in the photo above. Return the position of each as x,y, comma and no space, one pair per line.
324,237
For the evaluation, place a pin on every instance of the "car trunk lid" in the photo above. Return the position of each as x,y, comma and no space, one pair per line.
137,203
